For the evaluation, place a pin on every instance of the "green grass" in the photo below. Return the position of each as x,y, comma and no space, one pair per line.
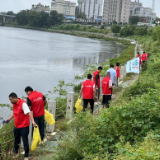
127,55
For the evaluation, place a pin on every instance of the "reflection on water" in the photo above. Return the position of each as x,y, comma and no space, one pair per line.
41,59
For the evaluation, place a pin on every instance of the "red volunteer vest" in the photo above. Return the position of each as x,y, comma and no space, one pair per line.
105,86
20,119
88,89
118,71
143,57
37,104
94,78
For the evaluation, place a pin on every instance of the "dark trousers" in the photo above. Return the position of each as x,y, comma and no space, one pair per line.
97,94
18,133
106,100
117,82
40,122
85,104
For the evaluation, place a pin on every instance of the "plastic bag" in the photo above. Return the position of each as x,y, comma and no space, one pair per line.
78,105
36,138
49,118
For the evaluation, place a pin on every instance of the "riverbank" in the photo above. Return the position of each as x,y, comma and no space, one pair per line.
129,53
107,36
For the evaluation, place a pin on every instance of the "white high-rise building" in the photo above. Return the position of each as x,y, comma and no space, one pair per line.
116,10
92,8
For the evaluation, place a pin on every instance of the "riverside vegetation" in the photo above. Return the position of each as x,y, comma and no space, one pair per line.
121,129
128,130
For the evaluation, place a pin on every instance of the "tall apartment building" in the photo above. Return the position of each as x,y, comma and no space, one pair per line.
92,8
116,10
64,7
39,8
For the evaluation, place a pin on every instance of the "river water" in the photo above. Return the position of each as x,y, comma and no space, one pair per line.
40,59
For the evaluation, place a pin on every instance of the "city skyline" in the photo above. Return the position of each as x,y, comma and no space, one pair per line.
18,5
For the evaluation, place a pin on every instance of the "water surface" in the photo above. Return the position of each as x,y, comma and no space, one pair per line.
40,59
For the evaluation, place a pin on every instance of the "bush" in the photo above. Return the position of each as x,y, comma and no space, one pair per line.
116,28
147,150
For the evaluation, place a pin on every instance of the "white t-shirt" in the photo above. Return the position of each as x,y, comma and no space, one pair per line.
112,73
25,108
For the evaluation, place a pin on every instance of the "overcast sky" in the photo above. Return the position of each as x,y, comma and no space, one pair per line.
17,5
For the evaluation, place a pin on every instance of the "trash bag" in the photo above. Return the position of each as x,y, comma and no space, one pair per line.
78,105
49,118
36,138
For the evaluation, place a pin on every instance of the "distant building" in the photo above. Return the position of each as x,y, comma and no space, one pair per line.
39,8
92,8
117,10
135,4
65,7
145,14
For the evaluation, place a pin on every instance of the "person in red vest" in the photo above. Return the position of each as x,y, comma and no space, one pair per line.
36,101
96,80
89,92
107,90
143,57
147,56
21,114
138,55
118,72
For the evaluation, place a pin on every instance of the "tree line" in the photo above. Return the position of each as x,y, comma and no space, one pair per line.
39,19
129,30
36,19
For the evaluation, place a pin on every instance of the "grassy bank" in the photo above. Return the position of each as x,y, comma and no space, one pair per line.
129,129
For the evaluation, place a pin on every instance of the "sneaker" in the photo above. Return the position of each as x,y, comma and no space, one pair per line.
26,158
14,151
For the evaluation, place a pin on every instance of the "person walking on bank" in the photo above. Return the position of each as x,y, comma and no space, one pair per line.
89,92
118,72
107,90
140,58
96,80
113,74
21,114
36,101
143,57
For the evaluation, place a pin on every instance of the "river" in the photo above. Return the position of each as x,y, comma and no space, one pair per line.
40,59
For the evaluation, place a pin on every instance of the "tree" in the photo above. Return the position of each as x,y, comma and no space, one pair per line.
10,13
116,28
127,31
134,20
81,15
22,18
38,19
55,18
